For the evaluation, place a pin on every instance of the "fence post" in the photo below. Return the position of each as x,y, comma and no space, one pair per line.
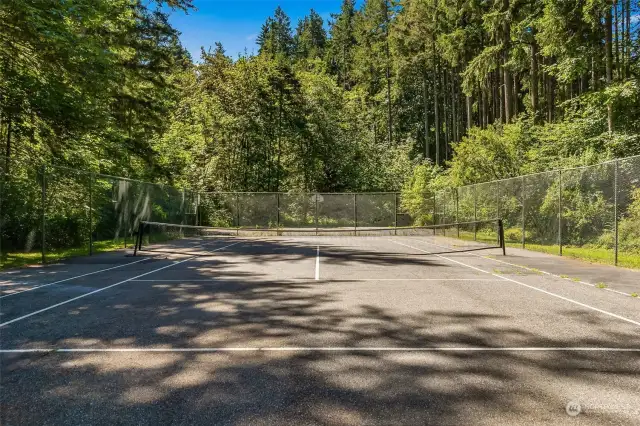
90,214
316,212
355,214
44,213
434,213
560,210
198,209
278,212
444,214
395,209
615,211
524,206
457,212
475,213
238,211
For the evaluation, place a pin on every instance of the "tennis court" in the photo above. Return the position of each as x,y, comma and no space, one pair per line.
404,326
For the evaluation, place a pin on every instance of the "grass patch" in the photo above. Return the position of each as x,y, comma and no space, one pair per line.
564,276
595,255
634,294
19,259
576,280
601,285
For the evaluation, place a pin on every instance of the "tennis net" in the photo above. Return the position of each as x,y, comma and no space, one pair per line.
196,240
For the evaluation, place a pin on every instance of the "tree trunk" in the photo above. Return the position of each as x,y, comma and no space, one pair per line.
388,72
507,84
8,147
436,77
445,113
627,59
609,58
534,81
616,39
454,110
469,106
425,106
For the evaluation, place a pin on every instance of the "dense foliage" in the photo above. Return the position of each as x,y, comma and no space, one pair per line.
482,89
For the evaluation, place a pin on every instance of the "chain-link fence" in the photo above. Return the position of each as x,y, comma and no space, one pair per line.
590,213
51,212
593,213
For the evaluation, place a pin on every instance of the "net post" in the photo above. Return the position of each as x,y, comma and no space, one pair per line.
138,243
90,214
501,236
615,212
44,213
355,214
560,210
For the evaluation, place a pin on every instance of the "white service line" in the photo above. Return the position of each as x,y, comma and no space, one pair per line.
105,288
72,278
318,264
528,286
326,349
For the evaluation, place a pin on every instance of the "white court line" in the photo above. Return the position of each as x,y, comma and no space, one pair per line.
72,278
531,269
318,264
325,349
105,288
528,286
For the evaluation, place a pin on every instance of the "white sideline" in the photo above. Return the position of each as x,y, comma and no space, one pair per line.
532,269
107,287
325,349
526,285
72,278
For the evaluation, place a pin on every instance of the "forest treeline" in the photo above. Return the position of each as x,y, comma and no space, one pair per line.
387,93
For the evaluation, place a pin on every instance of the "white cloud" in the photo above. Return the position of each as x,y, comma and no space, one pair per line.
251,37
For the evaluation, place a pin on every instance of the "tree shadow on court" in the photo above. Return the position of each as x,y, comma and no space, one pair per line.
240,309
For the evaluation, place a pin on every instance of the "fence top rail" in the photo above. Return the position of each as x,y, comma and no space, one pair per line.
298,193
633,157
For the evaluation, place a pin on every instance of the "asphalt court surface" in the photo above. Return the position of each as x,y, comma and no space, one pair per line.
313,330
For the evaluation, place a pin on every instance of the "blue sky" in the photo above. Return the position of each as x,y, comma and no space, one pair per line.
236,23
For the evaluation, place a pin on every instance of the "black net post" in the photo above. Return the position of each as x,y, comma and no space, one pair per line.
44,213
138,243
501,237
